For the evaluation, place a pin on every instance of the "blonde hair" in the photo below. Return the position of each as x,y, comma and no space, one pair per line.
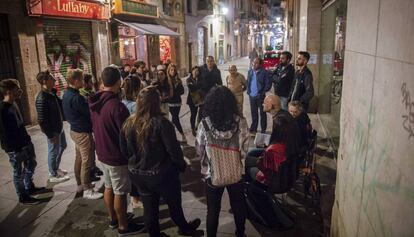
74,75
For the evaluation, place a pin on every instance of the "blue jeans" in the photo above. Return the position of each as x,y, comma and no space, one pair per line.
55,151
284,103
24,164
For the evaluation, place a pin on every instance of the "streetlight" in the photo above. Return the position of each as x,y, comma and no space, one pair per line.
224,10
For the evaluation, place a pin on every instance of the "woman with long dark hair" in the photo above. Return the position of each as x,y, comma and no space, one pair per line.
155,160
195,97
174,103
164,87
223,122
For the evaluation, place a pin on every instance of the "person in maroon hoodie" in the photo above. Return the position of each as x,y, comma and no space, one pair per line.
108,114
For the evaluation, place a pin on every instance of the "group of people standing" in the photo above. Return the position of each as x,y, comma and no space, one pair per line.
289,85
126,123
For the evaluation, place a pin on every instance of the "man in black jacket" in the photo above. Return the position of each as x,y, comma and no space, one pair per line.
302,86
283,77
209,75
16,142
50,119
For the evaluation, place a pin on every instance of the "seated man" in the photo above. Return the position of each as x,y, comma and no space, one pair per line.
284,143
303,121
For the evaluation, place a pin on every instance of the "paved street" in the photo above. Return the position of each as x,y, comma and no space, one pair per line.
64,214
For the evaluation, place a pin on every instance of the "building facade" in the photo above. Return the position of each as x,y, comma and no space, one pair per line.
151,31
54,35
221,28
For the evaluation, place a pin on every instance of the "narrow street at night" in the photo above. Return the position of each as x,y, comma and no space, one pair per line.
217,118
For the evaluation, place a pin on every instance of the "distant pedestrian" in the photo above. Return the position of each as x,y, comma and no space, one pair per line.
302,87
164,87
195,96
76,110
131,88
16,142
237,83
140,71
88,88
174,103
258,83
283,77
50,119
252,55
223,132
108,114
126,69
210,76
260,53
155,161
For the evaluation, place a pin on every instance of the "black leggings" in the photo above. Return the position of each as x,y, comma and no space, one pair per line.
193,116
167,186
175,114
237,203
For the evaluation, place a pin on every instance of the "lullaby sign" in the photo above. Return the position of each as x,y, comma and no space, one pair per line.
68,8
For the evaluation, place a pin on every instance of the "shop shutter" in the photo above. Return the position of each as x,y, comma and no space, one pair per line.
6,55
69,45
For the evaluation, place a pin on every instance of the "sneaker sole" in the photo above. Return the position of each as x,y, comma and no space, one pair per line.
132,233
129,217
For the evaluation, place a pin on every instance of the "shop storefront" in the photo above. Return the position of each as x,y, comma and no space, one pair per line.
137,35
69,42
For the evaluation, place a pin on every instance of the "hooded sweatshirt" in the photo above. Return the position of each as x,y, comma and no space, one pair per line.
108,114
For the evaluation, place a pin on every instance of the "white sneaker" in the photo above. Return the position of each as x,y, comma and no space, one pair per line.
62,172
58,178
136,205
91,194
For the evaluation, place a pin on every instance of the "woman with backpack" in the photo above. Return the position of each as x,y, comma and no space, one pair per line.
174,103
222,138
155,160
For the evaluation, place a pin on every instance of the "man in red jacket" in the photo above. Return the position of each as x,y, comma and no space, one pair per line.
108,114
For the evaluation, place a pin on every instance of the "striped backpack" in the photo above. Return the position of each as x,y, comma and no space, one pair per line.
224,158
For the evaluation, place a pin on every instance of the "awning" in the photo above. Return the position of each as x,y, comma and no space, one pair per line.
149,29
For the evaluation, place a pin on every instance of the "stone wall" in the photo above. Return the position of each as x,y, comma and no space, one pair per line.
375,191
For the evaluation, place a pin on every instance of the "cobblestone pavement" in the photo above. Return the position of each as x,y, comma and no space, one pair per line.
64,214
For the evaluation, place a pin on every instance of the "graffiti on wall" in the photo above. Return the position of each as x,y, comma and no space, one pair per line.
67,47
372,173
408,116
336,92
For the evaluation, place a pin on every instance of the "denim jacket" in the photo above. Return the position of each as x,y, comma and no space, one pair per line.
263,79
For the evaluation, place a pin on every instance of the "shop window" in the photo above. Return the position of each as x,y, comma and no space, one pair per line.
228,27
165,48
205,5
189,6
127,50
168,7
